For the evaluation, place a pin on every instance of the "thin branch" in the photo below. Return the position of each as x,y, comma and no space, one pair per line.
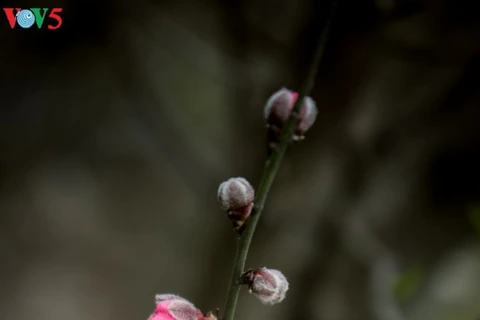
271,169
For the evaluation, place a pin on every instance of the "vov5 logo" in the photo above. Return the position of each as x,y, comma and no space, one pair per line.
26,18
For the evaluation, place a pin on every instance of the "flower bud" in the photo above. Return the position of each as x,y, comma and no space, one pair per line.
172,307
212,316
280,105
268,285
236,197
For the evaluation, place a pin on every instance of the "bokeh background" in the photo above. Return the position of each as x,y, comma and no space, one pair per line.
116,130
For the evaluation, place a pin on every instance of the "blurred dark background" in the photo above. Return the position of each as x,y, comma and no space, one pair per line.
117,128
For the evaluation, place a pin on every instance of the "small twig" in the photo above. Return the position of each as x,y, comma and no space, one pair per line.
269,173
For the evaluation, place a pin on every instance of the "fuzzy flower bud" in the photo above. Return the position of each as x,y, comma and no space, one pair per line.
268,285
172,307
212,316
236,197
280,105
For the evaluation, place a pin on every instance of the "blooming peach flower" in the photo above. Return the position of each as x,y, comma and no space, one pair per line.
172,307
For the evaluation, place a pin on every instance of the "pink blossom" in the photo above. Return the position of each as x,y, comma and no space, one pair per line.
172,307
